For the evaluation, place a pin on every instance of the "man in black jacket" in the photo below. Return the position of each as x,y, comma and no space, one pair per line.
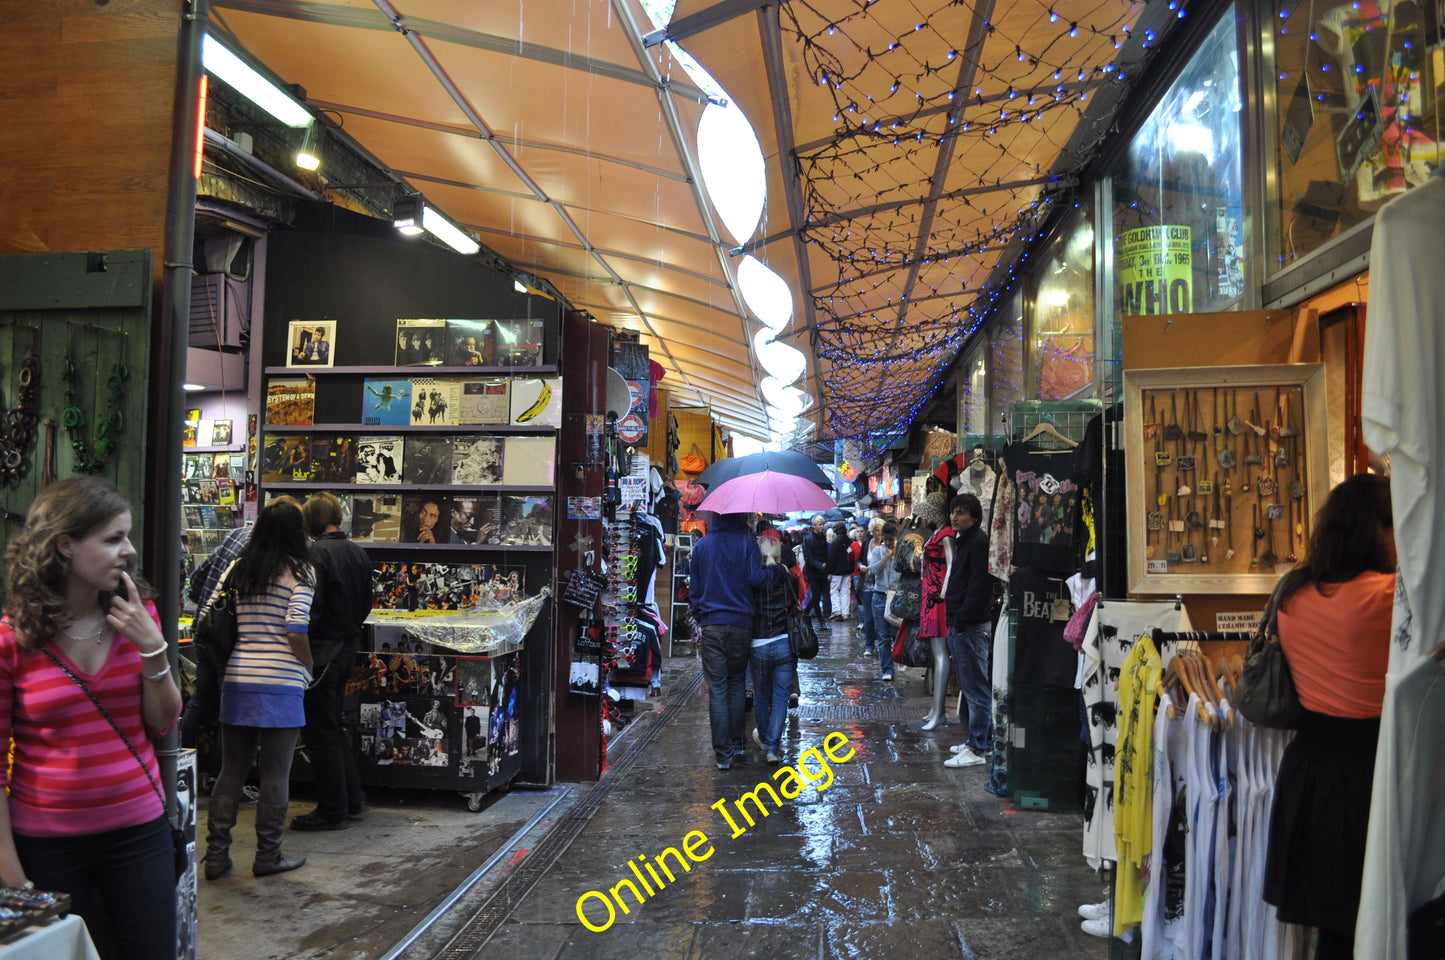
969,599
815,570
341,605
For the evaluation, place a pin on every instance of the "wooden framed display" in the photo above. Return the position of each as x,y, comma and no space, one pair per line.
1225,468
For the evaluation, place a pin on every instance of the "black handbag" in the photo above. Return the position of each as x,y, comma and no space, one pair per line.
908,600
1266,693
802,638
180,852
215,628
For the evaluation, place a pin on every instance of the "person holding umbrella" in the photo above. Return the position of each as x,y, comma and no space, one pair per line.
726,567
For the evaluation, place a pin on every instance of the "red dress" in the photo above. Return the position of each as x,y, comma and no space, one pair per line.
933,621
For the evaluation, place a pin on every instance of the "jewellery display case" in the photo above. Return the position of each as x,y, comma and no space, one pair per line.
1225,468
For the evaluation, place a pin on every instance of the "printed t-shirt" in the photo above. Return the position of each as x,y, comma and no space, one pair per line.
1041,654
1047,514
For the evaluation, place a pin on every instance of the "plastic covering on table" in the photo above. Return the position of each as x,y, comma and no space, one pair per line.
480,630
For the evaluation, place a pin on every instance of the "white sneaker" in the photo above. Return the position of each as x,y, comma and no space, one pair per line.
964,758
958,748
1095,911
888,675
1096,928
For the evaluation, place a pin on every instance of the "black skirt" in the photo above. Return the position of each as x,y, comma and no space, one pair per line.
1318,825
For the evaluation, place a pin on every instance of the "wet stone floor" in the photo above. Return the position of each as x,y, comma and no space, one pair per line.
898,857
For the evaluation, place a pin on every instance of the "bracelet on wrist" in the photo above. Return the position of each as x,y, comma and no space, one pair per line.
159,676
154,653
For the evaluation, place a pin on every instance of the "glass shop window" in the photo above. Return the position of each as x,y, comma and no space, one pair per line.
973,394
1006,363
1357,118
1178,203
1061,337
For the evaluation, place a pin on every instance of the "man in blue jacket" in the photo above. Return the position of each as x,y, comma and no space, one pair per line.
725,566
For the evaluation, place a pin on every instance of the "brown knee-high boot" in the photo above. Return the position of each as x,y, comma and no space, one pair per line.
220,818
270,828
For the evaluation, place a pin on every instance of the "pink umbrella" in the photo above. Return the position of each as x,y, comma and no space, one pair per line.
766,492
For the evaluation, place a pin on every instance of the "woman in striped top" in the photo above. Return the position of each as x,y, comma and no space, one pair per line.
83,815
266,678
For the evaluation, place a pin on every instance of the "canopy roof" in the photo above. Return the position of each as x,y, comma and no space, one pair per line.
913,148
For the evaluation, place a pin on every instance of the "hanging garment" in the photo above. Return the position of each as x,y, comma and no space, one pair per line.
1041,655
1134,782
1000,537
1047,517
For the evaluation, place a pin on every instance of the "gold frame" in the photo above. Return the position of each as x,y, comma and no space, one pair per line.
1145,575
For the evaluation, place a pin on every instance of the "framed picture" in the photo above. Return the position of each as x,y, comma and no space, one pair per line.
311,343
1225,467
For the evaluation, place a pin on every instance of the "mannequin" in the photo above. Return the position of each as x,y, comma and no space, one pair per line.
940,649
933,619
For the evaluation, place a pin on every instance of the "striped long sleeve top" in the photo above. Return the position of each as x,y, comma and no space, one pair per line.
72,775
265,682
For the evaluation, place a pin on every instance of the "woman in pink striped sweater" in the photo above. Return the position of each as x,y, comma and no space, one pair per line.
84,815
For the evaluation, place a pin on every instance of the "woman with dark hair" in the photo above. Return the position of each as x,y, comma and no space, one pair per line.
265,681
772,665
1334,623
80,625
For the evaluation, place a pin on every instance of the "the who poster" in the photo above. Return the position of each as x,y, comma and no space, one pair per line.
1155,270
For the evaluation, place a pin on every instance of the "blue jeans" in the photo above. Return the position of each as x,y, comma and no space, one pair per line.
883,632
773,668
970,652
865,613
122,883
725,652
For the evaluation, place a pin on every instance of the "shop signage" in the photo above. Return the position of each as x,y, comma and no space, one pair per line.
1155,266
1241,622
631,429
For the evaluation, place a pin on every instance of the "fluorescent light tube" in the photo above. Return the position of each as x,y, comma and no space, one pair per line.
447,232
256,88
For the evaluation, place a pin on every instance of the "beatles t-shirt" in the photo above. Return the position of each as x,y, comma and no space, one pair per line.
1041,654
1046,515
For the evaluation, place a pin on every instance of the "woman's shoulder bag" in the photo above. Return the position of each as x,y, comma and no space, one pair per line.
215,628
802,638
1266,692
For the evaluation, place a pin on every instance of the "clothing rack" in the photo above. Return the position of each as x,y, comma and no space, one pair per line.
1197,636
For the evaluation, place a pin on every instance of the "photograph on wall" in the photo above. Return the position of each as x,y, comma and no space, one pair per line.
376,519
471,343
386,402
220,433
379,459
310,343
435,402
428,725
388,578
537,402
486,401
502,725
474,740
283,456
519,343
527,521
477,461
474,681
528,461
476,520
424,518
421,343
428,460
290,402
498,585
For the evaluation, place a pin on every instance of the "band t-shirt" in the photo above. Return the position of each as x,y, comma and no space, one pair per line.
1047,512
1041,654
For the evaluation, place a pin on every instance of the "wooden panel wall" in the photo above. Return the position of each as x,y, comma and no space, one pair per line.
86,97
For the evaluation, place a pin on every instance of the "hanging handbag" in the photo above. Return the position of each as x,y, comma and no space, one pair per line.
802,638
889,617
907,603
1266,693
694,462
215,628
180,851
692,493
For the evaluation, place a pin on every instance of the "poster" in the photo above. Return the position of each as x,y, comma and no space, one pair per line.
1155,270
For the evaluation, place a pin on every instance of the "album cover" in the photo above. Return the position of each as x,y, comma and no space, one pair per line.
388,578
386,402
379,459
428,460
527,520
376,519
519,343
421,343
476,519
210,540
290,402
435,402
188,434
195,543
537,402
528,461
226,518
335,462
310,343
221,466
498,585
210,491
474,680
193,517
286,458
424,518
477,460
486,402
198,466
226,493
220,433
471,343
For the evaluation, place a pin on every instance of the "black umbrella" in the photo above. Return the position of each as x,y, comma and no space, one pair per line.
778,461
